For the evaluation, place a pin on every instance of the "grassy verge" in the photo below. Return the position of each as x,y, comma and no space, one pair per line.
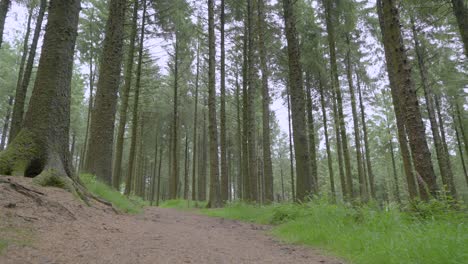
426,234
132,205
182,204
3,245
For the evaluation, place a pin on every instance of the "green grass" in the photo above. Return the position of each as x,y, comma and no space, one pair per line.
427,234
3,245
182,204
132,205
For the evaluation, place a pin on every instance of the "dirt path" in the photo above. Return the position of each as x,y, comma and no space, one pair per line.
157,236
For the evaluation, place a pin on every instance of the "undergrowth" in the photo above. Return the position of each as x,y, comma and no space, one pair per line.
182,204
420,233
132,205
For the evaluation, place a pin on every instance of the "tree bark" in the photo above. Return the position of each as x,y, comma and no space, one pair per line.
186,168
297,104
215,197
101,138
398,65
136,99
4,8
38,150
117,171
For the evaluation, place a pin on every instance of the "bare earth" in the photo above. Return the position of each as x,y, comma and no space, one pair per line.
48,225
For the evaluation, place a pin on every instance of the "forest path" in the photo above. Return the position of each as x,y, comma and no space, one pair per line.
94,235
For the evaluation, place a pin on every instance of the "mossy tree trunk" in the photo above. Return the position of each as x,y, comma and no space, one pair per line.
312,135
101,138
38,150
304,185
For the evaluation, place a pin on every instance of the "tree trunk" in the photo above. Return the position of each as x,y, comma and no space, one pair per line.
450,177
297,104
327,143
202,168
312,144
4,7
357,135
17,122
153,178
444,164
174,176
240,140
339,149
330,20
245,117
224,188
195,126
398,65
130,175
117,172
291,153
159,175
459,145
267,164
366,141
215,197
21,91
101,138
395,175
186,168
460,9
38,150
252,129
6,123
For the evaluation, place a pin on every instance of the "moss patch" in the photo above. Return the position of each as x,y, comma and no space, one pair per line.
52,178
18,155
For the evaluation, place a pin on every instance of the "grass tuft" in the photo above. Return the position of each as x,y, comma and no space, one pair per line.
364,234
131,205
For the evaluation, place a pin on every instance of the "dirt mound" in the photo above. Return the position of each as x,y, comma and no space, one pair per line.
50,225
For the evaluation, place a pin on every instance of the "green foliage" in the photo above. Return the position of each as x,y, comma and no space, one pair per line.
121,202
182,204
364,234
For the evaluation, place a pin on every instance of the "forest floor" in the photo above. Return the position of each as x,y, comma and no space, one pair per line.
49,225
